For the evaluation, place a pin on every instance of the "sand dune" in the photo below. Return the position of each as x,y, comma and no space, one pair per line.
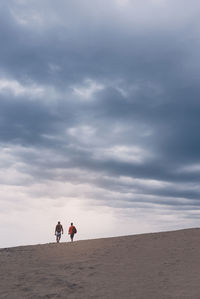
148,266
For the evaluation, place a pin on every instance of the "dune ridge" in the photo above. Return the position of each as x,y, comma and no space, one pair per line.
149,266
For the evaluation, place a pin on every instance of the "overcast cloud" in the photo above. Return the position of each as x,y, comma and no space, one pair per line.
99,117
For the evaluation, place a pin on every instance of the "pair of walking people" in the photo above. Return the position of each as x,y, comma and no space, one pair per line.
59,230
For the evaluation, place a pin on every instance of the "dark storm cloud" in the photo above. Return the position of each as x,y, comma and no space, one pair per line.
84,46
146,96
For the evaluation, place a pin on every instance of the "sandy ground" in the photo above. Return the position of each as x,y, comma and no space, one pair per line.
148,266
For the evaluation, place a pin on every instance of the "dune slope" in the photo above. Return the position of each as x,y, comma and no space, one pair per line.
148,266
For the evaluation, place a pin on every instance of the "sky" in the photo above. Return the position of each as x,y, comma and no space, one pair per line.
99,117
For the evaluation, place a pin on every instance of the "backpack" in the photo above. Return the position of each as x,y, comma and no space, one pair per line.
58,228
74,230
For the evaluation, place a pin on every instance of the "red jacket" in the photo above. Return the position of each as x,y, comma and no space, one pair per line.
71,229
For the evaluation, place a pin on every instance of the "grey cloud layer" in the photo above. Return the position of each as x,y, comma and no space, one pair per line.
120,93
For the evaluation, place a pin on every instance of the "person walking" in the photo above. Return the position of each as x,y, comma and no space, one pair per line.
72,231
58,231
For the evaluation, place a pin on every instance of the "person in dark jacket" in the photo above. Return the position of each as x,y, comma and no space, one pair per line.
58,231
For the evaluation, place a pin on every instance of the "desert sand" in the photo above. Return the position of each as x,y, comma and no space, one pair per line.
150,266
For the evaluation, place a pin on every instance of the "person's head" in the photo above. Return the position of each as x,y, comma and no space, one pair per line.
71,223
58,222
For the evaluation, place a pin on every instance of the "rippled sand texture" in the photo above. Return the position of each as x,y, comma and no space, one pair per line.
149,266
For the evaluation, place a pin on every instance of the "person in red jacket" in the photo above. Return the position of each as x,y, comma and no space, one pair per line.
72,231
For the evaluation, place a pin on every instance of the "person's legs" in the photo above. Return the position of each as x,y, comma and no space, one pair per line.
58,236
72,236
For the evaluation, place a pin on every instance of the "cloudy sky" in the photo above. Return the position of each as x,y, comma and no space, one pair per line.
99,117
